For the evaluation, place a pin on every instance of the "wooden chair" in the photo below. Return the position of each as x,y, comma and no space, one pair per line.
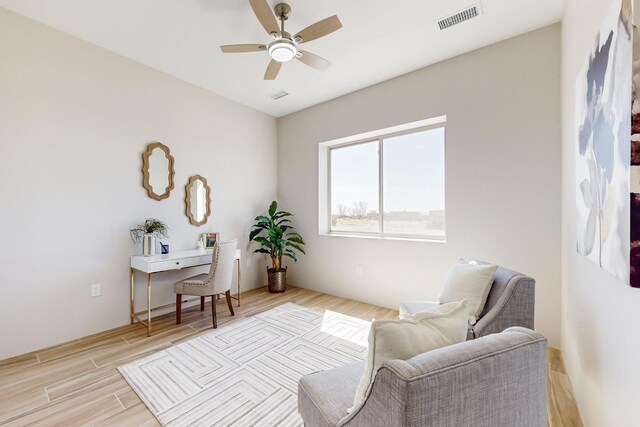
214,283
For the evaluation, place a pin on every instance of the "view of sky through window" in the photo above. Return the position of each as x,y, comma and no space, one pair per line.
354,186
412,187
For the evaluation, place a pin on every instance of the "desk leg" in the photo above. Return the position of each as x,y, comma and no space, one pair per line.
148,304
133,305
238,282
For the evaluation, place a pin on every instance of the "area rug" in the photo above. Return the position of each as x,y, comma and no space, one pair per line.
246,373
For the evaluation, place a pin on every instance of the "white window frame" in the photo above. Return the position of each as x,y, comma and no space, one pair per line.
324,181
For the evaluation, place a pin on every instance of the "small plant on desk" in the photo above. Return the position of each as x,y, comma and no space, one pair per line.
147,233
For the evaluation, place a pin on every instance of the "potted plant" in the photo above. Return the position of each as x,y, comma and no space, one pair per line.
278,238
147,233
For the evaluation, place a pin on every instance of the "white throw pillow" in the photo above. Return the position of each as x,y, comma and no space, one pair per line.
408,309
403,339
470,281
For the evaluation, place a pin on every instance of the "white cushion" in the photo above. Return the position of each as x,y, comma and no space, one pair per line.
470,281
408,309
403,339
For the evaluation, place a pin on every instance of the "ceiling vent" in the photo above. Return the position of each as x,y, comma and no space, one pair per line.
459,17
279,94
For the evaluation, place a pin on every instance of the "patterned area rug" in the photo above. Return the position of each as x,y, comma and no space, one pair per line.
246,373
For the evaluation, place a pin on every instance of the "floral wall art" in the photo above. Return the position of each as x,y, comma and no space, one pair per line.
606,206
634,273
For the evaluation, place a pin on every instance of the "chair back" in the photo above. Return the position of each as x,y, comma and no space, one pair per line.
503,277
221,271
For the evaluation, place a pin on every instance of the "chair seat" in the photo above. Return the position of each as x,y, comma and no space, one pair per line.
194,285
324,397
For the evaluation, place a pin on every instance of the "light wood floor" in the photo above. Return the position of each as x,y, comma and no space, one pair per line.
77,384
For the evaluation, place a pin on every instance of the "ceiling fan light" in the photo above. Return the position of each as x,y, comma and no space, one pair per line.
282,51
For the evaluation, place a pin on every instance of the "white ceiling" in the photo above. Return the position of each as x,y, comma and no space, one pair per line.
379,39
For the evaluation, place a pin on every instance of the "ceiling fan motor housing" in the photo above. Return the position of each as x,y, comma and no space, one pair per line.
283,50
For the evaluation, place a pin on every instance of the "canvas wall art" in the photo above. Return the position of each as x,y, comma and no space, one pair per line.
603,107
634,273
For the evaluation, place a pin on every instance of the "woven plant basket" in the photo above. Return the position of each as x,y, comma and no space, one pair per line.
277,279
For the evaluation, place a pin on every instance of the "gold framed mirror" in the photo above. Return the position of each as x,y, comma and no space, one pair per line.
197,200
157,171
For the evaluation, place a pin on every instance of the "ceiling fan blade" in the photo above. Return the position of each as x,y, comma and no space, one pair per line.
238,48
264,14
319,29
314,61
272,70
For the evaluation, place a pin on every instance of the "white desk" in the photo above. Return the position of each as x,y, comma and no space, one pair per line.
170,262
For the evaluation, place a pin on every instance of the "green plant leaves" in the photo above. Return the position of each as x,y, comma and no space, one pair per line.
255,232
276,243
263,241
273,208
295,237
282,221
291,255
263,220
150,226
281,214
293,245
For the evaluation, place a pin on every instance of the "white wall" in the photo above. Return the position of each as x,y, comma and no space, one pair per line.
502,171
600,342
74,122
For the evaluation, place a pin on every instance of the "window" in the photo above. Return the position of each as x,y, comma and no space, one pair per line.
354,188
390,185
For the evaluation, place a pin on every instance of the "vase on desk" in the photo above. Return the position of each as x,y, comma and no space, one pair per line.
149,245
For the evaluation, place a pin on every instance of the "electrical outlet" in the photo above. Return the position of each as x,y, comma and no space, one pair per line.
95,290
359,270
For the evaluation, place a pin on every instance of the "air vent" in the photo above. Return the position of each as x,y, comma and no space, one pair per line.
279,94
459,17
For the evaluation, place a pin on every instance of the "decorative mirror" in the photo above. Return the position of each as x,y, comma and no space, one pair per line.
198,200
157,171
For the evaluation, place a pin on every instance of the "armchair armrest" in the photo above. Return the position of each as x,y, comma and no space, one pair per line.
495,380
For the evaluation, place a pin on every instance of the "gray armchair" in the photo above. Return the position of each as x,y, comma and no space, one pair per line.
511,302
217,281
496,380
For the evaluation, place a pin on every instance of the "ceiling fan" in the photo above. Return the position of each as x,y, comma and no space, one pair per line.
284,47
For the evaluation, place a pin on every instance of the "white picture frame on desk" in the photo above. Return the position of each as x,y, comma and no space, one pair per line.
209,239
